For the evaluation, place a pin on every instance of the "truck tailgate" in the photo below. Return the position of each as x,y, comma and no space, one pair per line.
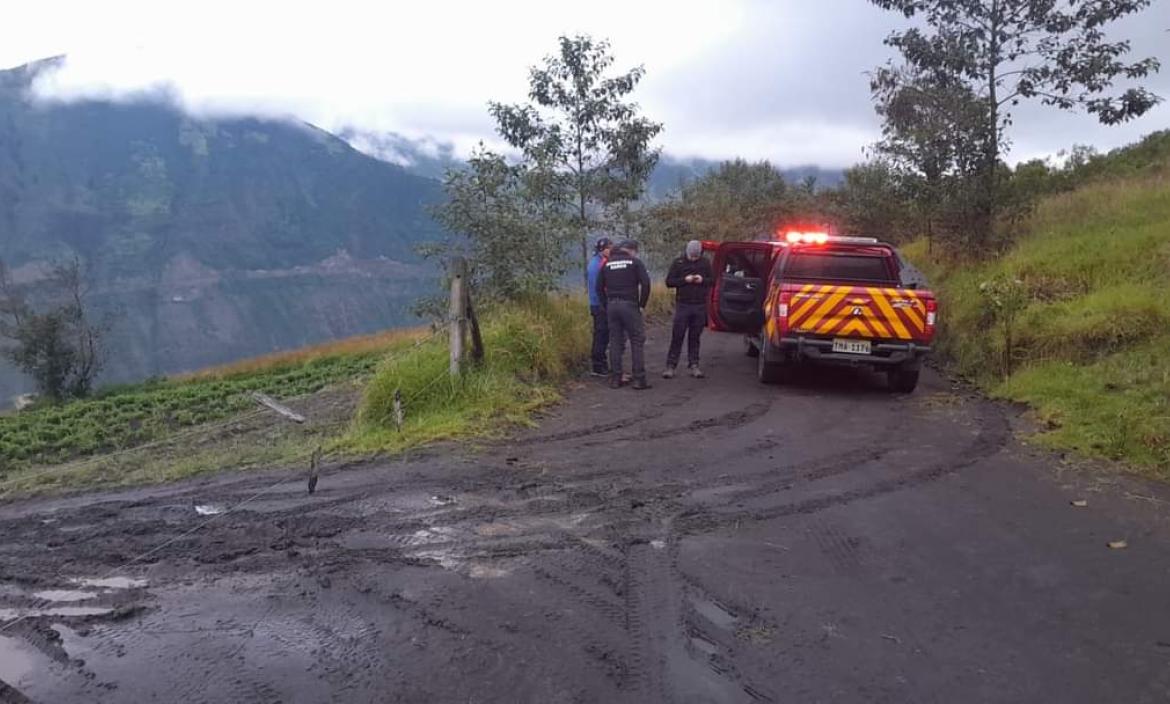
858,311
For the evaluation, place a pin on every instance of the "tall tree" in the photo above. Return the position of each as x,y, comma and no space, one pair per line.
932,139
1013,50
507,220
580,122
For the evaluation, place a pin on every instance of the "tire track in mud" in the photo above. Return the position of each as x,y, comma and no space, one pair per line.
993,434
601,428
730,637
713,630
725,421
648,597
672,651
601,639
640,620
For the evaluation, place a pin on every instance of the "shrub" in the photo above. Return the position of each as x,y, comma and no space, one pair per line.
530,348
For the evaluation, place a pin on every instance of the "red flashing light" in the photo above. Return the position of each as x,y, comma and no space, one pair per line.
795,237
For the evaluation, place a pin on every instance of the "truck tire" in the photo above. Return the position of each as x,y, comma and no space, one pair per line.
749,346
769,372
903,381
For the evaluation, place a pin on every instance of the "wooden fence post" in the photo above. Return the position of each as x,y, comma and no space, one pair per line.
457,313
476,336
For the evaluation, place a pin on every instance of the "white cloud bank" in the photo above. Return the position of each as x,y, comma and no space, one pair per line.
778,79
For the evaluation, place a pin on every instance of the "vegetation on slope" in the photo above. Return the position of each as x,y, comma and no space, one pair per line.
1089,345
124,417
531,349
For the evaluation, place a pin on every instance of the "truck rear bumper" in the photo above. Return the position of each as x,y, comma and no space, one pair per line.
883,353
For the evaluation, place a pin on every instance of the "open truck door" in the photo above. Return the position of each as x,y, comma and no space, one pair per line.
741,283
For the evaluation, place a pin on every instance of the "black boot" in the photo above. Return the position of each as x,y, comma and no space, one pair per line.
640,384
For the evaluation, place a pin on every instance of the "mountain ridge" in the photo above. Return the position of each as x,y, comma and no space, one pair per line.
212,239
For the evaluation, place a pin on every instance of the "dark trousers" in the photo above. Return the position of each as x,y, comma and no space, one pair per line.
600,338
625,320
689,321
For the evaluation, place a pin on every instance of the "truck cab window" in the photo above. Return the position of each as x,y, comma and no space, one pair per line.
837,266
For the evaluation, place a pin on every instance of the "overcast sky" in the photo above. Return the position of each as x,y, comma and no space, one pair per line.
777,79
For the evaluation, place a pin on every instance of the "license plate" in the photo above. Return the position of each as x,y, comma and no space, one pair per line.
851,346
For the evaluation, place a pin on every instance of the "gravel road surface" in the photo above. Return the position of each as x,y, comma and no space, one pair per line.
707,540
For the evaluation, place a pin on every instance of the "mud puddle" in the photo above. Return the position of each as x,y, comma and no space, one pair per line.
19,663
72,643
112,583
714,612
65,595
11,614
65,602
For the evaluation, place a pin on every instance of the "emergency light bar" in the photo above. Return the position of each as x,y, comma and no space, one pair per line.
807,237
825,238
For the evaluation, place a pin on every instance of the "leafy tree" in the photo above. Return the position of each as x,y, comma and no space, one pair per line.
1007,51
736,200
580,125
507,220
932,138
872,200
60,347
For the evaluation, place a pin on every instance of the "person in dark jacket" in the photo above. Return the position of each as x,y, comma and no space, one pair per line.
624,285
690,276
597,308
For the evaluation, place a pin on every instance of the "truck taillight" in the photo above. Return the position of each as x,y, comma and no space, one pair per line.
931,315
782,311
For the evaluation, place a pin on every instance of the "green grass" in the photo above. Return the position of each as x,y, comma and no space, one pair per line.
1091,345
531,350
110,440
129,416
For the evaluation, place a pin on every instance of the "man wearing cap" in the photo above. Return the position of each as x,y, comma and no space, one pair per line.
597,307
624,284
691,278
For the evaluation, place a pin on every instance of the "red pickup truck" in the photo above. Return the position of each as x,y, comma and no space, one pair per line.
811,297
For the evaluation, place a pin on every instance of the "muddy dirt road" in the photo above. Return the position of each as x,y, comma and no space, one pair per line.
705,541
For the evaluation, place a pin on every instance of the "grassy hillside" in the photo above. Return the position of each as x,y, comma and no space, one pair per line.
530,350
1090,340
126,419
207,421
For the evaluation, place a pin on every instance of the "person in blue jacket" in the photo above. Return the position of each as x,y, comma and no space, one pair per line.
597,308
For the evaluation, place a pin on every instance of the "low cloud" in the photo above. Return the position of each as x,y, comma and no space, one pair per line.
754,78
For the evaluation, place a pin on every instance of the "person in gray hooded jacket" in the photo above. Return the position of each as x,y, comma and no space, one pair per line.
691,278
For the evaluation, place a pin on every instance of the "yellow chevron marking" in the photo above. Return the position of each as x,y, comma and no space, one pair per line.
831,321
807,305
826,308
915,312
890,314
876,323
855,325
915,318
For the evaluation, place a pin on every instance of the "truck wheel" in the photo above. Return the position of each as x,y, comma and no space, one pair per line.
903,381
749,347
768,372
